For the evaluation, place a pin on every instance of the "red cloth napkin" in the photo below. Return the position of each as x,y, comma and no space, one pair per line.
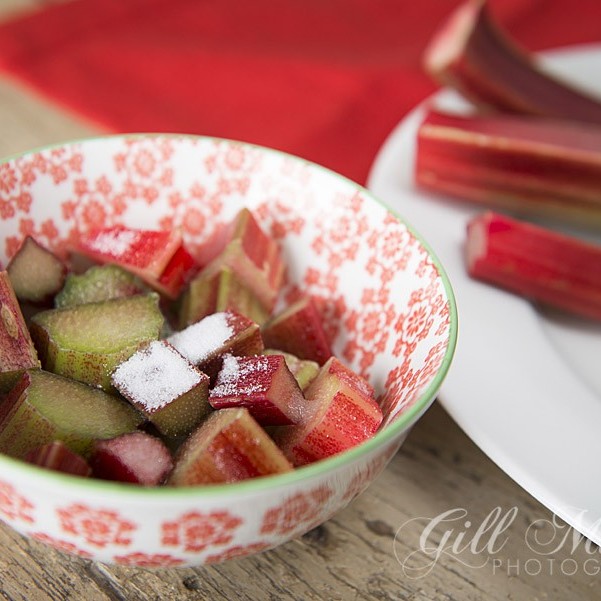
323,79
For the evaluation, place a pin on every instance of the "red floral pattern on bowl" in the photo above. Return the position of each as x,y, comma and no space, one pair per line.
14,506
195,531
149,560
97,527
388,306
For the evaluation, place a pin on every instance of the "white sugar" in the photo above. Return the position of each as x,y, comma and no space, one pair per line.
235,376
114,242
198,341
155,375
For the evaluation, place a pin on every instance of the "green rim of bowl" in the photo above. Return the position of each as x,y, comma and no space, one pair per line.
405,420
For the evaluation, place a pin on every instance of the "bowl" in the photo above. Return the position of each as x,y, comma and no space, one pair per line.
388,306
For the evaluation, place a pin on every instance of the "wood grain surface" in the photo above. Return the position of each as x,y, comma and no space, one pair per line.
365,551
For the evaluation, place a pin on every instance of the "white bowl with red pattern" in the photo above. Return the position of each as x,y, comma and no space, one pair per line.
389,309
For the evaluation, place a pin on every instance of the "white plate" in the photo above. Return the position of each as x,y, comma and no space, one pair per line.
525,384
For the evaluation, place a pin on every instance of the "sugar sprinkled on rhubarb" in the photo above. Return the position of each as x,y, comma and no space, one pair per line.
238,375
155,375
114,241
198,341
261,383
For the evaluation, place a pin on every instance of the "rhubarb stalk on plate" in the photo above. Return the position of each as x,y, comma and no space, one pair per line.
536,263
473,55
531,166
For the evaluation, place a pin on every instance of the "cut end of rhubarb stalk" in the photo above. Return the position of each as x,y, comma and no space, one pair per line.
98,283
36,273
536,263
477,241
181,268
449,42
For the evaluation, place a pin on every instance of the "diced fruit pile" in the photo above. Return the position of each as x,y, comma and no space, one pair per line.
95,381
531,146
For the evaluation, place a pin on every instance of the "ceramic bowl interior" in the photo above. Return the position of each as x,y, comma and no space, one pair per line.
386,301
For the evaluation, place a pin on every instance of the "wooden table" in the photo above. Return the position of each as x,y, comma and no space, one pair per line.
356,554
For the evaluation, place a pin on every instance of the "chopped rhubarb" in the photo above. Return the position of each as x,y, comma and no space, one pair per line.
17,350
205,342
98,283
135,457
343,414
57,456
531,166
158,257
299,330
177,273
219,291
144,252
535,262
36,273
335,373
303,370
86,342
250,253
264,385
472,54
164,386
44,407
228,447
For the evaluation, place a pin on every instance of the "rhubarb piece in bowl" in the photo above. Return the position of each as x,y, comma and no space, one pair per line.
384,302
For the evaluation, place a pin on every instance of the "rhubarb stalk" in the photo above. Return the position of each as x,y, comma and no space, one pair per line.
531,166
473,55
536,263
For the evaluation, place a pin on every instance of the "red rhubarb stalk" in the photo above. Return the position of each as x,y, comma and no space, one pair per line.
264,385
473,55
531,166
135,457
536,263
16,347
59,457
228,446
299,330
158,257
342,413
